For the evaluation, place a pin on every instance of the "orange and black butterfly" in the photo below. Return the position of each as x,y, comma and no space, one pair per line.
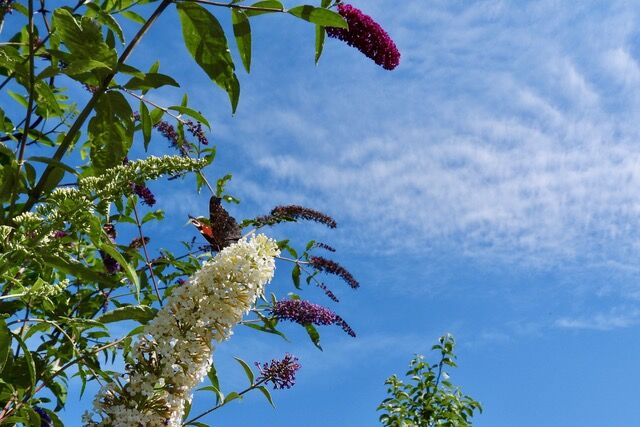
221,230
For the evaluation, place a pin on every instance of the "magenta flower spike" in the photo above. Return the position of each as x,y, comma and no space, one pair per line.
367,36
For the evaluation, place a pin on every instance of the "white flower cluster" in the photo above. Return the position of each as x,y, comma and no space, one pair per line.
116,180
174,353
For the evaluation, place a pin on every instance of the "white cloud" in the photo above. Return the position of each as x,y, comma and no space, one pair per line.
614,319
499,137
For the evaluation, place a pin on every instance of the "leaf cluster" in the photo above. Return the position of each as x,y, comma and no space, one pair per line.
430,398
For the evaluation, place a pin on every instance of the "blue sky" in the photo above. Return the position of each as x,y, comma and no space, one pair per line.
488,187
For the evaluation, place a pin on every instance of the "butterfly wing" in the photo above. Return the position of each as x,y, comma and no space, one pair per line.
225,229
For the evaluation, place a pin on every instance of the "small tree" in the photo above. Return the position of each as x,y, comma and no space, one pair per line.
430,399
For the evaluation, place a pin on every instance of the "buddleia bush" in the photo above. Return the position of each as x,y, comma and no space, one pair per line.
68,185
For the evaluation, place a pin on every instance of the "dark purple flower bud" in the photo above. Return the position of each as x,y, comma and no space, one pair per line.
195,129
296,212
280,373
345,326
308,313
91,88
169,132
5,7
145,194
327,291
324,246
367,36
137,242
45,419
332,267
110,264
59,234
303,312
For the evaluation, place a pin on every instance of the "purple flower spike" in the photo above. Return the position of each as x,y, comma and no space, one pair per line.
195,129
59,234
332,267
169,132
145,194
281,373
307,313
367,36
303,312
45,419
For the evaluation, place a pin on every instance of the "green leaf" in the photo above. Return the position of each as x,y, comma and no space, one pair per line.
242,33
83,38
128,270
215,383
53,180
82,66
232,396
5,343
134,17
139,313
31,366
191,113
53,162
266,394
147,125
319,16
247,370
110,131
295,276
151,81
320,34
314,335
207,44
271,4
157,215
79,270
220,184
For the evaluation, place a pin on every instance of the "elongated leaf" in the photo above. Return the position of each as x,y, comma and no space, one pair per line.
267,4
128,270
151,81
5,343
247,370
232,396
207,44
265,329
145,119
266,394
53,162
320,34
110,131
139,313
314,335
319,16
242,32
31,366
191,113
215,384
295,276
133,16
79,270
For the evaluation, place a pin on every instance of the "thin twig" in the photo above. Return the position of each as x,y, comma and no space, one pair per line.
239,6
221,404
177,117
27,119
146,255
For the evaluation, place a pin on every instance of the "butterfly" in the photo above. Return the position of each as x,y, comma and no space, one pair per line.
221,230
